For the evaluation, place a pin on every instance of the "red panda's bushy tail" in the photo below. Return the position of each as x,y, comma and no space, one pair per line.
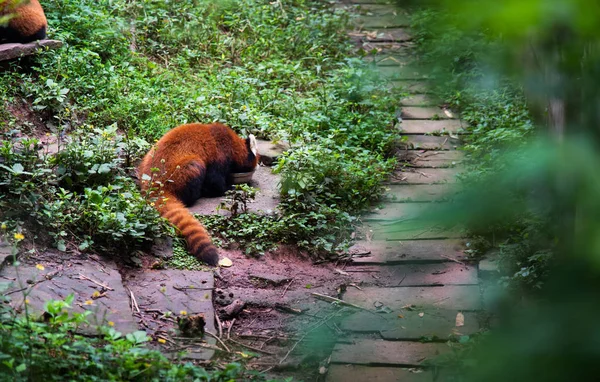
197,238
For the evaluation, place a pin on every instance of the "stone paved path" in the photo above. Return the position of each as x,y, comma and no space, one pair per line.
414,279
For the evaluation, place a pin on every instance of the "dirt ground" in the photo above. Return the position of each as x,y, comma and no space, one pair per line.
282,313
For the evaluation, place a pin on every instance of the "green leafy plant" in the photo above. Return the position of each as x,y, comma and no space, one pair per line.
48,347
80,195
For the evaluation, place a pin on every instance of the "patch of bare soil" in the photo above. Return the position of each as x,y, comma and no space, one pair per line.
22,111
284,320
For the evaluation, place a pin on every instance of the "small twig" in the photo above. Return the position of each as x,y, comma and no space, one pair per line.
362,270
24,288
341,302
218,339
219,325
229,329
288,286
403,277
250,347
134,304
84,277
441,300
183,289
452,259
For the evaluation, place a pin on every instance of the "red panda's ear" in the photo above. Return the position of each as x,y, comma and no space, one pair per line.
252,143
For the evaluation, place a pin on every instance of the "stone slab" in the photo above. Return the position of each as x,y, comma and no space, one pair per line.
382,35
381,21
380,352
426,175
374,8
425,126
403,48
412,324
270,151
58,281
411,86
431,159
14,50
5,254
420,100
407,251
175,291
450,273
388,59
410,193
266,201
404,72
399,230
404,211
422,112
488,264
344,373
452,297
430,142
388,2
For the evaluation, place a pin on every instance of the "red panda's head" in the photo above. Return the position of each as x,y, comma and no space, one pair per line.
252,158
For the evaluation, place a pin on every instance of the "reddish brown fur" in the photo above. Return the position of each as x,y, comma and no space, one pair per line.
184,155
29,18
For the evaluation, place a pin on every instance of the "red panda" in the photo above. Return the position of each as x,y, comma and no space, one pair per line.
191,161
28,22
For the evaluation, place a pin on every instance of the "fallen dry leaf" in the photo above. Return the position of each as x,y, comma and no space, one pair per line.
400,316
225,262
460,319
341,272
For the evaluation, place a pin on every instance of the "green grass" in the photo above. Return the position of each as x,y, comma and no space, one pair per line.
278,70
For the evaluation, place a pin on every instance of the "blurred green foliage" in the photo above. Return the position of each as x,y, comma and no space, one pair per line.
524,74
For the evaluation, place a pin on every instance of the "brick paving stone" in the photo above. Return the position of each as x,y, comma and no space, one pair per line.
405,211
399,230
401,193
411,86
407,251
430,142
416,126
380,352
388,2
377,374
406,325
395,48
382,35
422,112
381,21
401,72
431,158
425,176
389,59
420,100
449,273
451,297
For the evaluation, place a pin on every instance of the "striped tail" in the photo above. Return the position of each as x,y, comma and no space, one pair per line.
198,240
